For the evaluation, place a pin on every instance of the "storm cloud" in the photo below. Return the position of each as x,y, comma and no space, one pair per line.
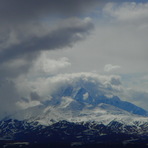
70,32
23,10
30,27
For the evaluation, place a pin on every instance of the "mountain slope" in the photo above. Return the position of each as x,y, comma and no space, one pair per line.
73,111
82,92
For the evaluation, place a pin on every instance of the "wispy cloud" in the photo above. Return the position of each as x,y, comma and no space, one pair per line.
127,11
110,67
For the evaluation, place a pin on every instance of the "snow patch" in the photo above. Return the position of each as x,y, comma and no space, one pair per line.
85,96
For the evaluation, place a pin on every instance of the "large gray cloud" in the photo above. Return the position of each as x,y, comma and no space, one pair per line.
61,37
21,10
23,28
29,27
29,47
14,13
8,97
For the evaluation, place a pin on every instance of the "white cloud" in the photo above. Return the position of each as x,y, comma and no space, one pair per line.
24,105
46,65
110,67
122,42
128,11
108,85
52,65
46,86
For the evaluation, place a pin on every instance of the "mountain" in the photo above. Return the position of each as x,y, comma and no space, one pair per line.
77,114
91,94
68,134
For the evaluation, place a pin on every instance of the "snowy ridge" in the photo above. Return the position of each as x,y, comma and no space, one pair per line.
73,111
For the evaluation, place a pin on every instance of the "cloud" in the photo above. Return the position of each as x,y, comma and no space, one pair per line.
8,97
65,35
30,27
46,86
52,65
110,67
127,11
114,41
43,88
24,105
44,65
24,10
34,91
17,57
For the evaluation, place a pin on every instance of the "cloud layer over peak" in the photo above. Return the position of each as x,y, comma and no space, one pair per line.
45,87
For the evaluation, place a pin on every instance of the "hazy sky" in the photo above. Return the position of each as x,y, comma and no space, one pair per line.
42,39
